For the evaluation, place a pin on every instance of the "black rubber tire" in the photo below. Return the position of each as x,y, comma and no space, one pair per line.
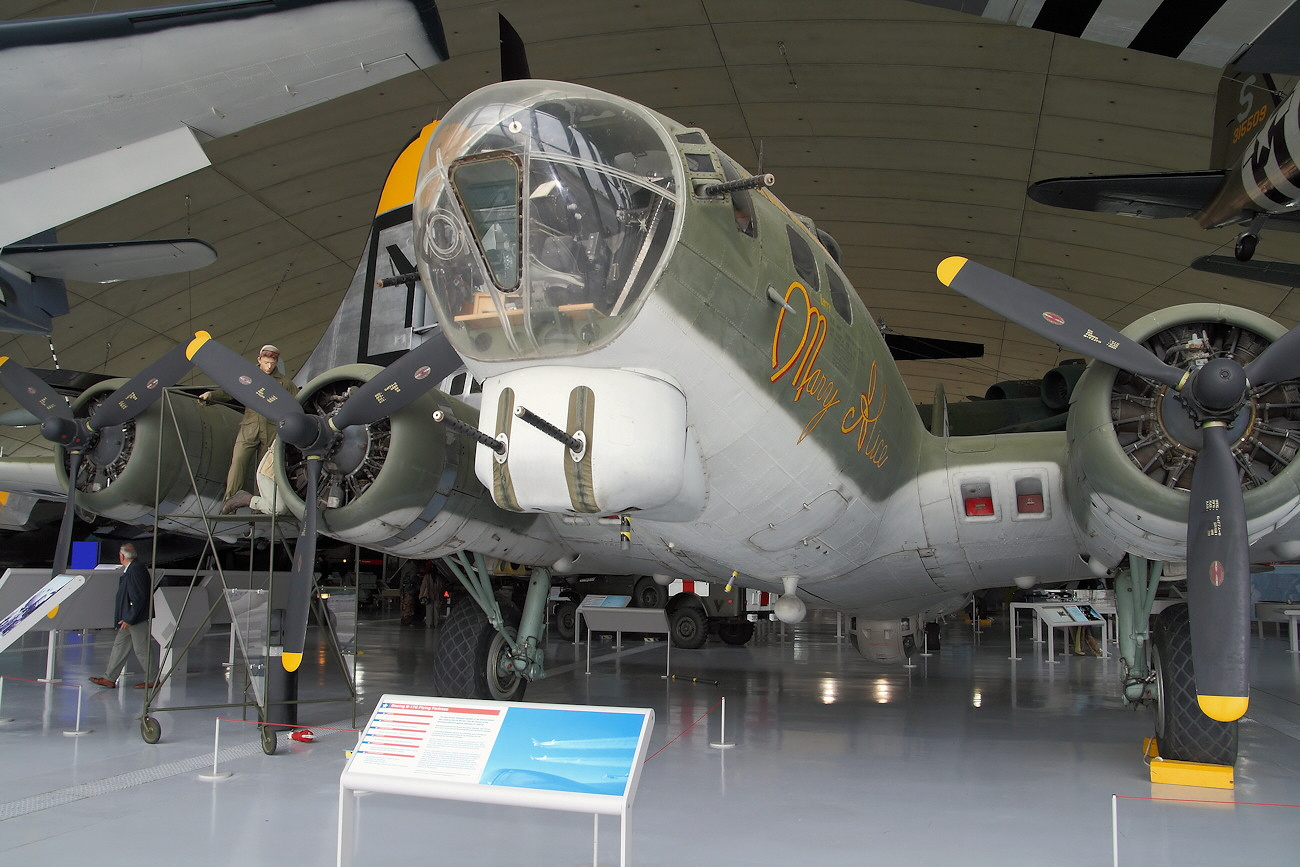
736,632
1183,732
689,628
1244,249
649,593
269,740
565,619
150,730
466,657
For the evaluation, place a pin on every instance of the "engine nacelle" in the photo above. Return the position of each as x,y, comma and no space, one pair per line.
404,484
1133,445
885,641
143,467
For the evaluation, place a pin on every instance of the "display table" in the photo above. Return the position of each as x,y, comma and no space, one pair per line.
1054,615
1279,612
496,752
599,616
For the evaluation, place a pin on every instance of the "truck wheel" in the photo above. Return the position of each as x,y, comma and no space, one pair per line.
471,659
1183,732
648,593
736,632
566,619
689,628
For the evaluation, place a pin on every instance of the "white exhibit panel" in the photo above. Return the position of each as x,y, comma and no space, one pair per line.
90,608
38,605
574,758
1058,615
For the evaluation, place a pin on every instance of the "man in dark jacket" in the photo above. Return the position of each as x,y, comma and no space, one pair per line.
131,613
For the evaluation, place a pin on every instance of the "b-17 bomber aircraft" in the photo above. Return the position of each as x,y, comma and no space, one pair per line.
679,381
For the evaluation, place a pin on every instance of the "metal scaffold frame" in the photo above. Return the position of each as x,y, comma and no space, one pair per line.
149,728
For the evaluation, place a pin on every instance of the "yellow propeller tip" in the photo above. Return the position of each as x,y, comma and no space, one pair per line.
200,338
948,269
291,661
1224,708
53,611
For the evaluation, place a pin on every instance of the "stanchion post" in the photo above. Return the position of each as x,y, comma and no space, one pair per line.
216,739
78,731
6,719
1114,829
722,743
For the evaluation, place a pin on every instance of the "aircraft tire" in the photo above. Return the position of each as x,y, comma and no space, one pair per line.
566,619
1244,249
465,660
736,632
1183,732
689,628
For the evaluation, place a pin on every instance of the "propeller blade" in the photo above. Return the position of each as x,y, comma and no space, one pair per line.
300,580
141,391
63,550
400,383
1218,580
32,393
1279,362
244,380
514,58
1053,319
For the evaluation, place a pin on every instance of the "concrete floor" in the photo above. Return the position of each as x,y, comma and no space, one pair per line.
968,758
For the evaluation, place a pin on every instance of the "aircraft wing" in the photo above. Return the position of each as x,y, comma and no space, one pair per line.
1170,194
100,107
1277,273
1207,33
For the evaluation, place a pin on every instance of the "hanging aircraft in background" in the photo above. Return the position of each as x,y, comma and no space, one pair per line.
1252,181
83,128
1257,183
679,381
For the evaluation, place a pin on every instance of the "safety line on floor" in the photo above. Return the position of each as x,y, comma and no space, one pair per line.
108,785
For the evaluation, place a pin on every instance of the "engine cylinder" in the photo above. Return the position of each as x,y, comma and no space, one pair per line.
1133,445
172,458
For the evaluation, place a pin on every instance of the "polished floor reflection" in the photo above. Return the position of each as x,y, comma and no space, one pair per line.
967,758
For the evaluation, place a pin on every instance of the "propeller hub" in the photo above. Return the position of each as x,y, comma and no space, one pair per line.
307,432
1218,390
1177,423
62,431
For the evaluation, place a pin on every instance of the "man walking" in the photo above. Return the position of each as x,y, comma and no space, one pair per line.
131,614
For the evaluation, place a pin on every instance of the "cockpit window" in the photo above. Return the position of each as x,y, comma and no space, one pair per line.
542,217
488,190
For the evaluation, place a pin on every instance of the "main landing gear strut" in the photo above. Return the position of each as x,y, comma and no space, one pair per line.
488,648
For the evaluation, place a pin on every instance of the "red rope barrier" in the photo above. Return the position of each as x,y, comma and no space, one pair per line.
285,725
1205,801
683,731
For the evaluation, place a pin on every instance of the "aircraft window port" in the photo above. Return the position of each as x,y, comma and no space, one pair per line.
742,203
805,263
694,137
839,296
700,164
